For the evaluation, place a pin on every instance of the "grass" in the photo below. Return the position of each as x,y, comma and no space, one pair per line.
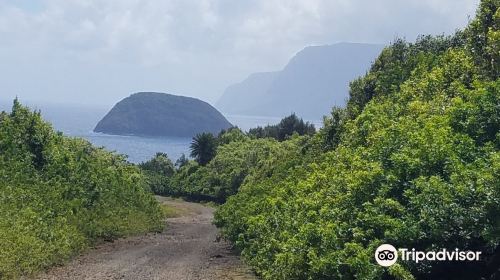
170,211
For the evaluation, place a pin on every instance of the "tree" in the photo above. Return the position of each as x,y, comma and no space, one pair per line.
483,38
333,128
231,135
203,147
181,161
160,164
291,124
286,128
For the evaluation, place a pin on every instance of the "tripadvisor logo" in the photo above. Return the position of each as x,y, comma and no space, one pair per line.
387,255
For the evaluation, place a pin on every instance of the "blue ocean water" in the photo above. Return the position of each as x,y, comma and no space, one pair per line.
79,121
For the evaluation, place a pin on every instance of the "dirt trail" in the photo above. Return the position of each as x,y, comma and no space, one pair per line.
186,250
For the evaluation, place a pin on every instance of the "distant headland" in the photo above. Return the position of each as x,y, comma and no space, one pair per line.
161,114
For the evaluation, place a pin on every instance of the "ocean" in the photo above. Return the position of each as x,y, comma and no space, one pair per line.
79,121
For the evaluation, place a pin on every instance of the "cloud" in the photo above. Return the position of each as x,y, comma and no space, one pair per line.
73,50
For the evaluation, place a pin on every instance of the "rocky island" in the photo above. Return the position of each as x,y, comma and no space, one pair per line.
160,114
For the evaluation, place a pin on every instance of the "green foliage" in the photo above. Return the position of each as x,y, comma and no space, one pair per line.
413,161
225,173
158,171
203,147
283,130
181,161
222,163
231,135
483,39
160,164
237,156
395,65
333,128
59,195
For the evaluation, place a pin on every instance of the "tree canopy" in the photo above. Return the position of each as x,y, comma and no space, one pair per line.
284,129
203,147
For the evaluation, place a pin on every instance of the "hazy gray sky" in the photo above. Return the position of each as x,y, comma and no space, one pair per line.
99,51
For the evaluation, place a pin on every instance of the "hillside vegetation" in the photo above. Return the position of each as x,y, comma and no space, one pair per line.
223,162
412,161
60,195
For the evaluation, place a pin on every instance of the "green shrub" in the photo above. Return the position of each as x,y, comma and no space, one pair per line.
59,195
414,161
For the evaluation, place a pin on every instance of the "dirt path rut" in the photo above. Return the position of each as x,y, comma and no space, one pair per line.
186,250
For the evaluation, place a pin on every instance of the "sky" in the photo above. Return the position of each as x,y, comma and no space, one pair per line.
96,52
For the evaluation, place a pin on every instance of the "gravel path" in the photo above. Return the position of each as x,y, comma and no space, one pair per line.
187,249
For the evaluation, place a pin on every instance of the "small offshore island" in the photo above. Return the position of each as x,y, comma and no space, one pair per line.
160,114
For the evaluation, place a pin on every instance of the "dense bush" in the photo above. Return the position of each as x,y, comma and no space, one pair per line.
158,171
395,65
413,161
225,173
228,159
58,195
284,129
